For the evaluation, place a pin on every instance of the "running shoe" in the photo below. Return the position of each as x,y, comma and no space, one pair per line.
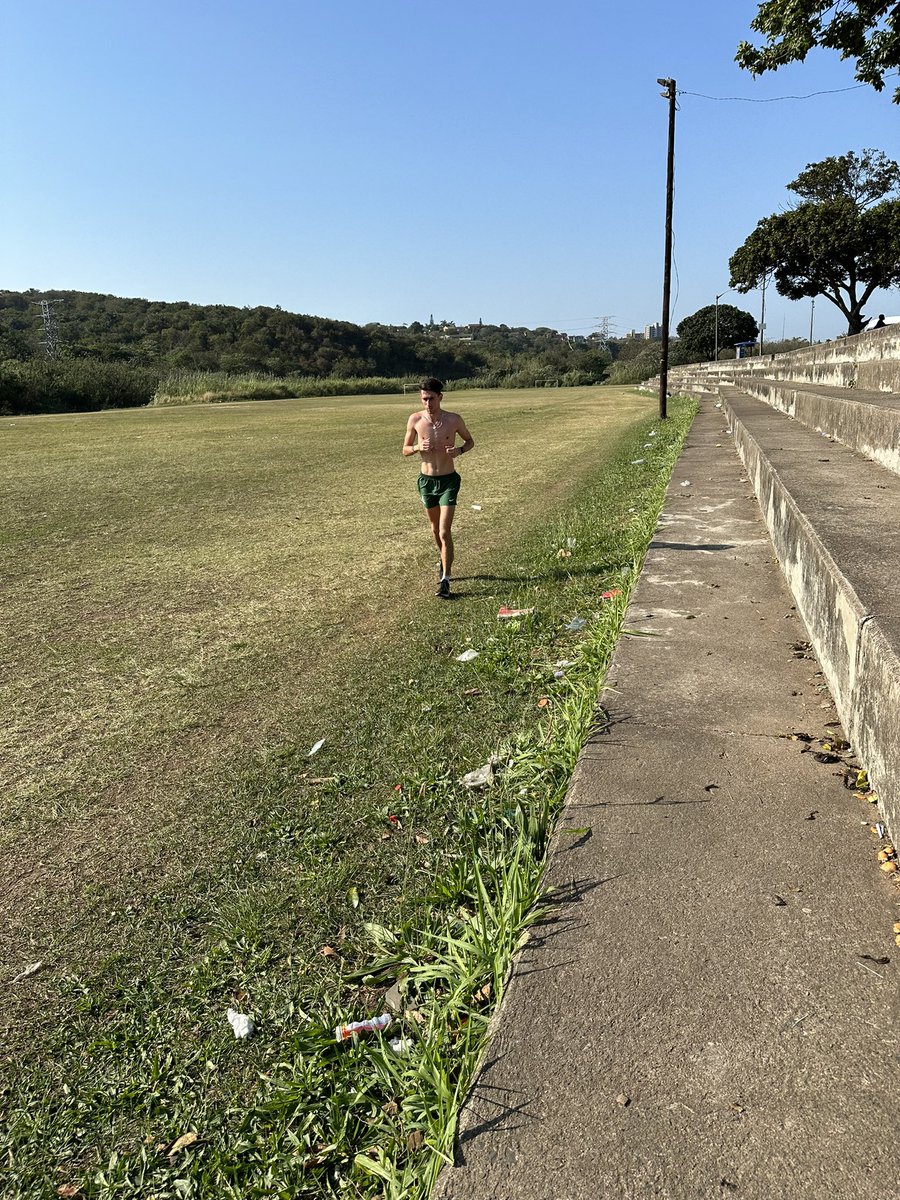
443,589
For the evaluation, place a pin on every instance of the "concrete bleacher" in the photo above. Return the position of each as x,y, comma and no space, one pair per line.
818,431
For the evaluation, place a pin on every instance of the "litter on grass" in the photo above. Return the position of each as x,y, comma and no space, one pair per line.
608,595
316,748
27,972
575,625
467,656
351,1031
241,1023
636,461
652,433
686,483
400,1045
479,778
507,614
571,543
476,508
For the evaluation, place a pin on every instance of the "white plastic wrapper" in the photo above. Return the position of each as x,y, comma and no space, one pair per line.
467,656
241,1023
316,748
479,778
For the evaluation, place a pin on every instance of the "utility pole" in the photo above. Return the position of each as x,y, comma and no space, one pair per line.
718,298
762,318
812,313
668,94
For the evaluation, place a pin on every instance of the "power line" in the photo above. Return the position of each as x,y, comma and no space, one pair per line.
777,99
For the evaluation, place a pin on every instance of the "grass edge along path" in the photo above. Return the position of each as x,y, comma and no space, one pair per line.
445,978
367,1118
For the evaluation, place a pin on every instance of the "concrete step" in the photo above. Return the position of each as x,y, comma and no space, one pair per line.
705,1007
868,360
868,422
832,516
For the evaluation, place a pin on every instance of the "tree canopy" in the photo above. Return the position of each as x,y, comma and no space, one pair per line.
865,30
842,242
161,335
697,333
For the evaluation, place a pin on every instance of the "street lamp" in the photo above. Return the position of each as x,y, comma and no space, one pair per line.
718,298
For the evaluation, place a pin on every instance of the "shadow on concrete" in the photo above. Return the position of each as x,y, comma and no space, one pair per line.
504,1119
693,546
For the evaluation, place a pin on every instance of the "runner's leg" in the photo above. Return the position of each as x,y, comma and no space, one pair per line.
445,538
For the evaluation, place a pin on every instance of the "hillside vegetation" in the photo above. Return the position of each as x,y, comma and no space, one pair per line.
115,337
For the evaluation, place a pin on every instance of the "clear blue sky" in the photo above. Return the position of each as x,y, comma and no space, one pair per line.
503,159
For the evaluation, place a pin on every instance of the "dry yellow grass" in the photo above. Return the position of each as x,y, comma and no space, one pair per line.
181,584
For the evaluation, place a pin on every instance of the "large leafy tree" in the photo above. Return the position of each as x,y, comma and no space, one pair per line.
865,30
842,242
697,333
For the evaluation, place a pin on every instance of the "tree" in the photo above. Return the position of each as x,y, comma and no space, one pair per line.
865,30
842,242
697,333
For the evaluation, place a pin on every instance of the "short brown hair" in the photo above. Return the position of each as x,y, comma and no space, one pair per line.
432,385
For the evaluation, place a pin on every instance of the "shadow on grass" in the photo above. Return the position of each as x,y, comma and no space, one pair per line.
553,575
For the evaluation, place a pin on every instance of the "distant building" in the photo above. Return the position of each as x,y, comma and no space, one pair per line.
653,333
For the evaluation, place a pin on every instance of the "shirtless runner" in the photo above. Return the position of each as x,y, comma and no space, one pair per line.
432,433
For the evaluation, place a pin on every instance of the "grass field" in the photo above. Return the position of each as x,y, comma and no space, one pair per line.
192,597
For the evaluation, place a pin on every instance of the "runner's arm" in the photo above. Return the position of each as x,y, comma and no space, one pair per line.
468,440
409,442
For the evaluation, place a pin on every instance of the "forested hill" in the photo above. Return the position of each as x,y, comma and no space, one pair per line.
146,333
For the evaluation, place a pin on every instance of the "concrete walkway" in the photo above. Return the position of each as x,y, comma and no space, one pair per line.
707,1009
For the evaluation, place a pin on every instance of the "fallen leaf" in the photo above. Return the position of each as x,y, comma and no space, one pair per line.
423,839
182,1143
353,897
472,692
68,1189
881,961
329,952
483,993
889,867
391,1109
543,702
415,1141
622,1100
